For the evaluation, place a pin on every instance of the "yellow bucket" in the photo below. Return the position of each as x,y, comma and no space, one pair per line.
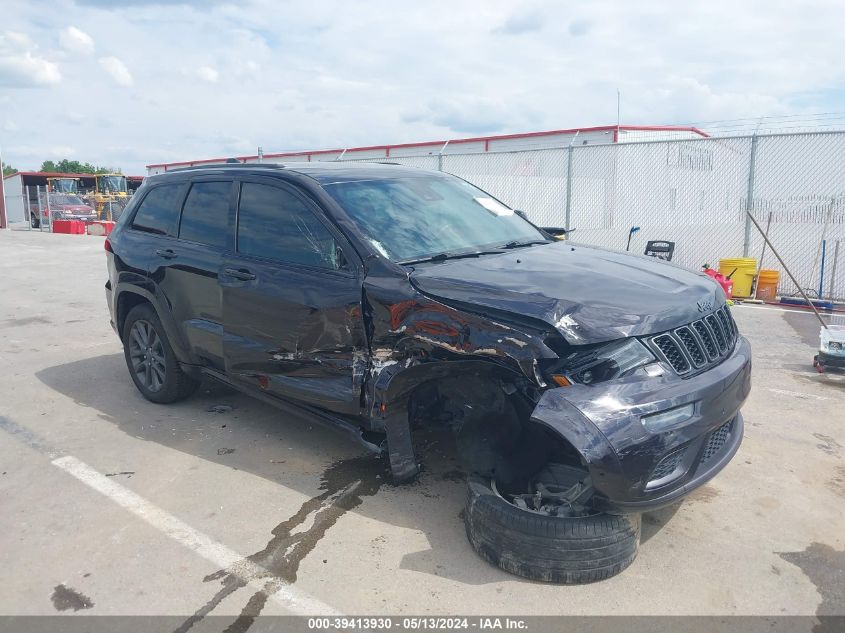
741,271
767,284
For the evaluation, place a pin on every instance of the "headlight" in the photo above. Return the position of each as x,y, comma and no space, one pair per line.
601,363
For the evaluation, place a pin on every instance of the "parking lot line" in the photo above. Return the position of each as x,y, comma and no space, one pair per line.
252,575
294,600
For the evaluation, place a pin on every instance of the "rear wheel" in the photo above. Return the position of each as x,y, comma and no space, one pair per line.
152,364
546,533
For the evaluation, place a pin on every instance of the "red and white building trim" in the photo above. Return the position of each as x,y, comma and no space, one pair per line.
479,144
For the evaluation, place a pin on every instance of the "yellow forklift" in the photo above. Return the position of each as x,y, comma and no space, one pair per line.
109,196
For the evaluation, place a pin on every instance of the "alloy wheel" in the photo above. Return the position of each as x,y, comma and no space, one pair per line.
146,353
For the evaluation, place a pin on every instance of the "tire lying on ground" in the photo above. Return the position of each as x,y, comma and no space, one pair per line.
534,545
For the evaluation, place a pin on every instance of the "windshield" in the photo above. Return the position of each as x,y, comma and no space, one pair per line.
112,184
64,185
418,217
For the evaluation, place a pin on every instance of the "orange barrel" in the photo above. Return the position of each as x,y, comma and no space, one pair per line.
767,284
741,271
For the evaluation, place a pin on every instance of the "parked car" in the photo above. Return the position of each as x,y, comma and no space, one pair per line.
62,206
583,386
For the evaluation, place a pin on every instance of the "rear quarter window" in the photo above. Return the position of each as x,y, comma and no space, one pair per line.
205,215
159,210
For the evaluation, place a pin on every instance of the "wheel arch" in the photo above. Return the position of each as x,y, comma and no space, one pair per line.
487,405
129,296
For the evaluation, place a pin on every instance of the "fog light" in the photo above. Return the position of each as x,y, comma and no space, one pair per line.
657,422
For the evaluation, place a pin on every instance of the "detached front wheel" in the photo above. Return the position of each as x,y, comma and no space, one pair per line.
535,544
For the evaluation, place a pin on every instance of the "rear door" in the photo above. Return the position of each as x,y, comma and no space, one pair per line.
186,268
292,300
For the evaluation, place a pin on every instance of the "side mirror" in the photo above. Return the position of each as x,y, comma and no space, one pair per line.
557,232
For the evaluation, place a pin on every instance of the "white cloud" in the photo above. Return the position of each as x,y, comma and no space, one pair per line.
117,69
484,66
18,71
75,40
21,66
15,39
206,73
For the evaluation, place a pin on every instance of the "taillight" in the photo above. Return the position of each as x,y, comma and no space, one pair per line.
107,246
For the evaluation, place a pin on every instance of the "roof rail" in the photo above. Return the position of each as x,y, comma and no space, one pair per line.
228,166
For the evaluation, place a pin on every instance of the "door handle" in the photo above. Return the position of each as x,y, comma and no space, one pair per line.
239,273
165,253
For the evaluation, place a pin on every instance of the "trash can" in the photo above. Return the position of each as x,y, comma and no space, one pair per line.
741,271
767,284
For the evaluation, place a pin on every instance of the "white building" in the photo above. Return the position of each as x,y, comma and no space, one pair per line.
477,145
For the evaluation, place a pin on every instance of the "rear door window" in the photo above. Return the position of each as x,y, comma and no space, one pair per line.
205,215
276,224
159,210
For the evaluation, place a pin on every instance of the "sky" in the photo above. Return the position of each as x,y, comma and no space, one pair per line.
129,83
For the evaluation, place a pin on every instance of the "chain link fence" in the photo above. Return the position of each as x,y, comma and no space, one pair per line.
36,209
693,192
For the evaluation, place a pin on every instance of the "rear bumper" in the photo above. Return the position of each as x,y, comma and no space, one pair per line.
110,304
634,469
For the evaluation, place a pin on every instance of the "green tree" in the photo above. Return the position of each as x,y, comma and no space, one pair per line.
8,170
66,166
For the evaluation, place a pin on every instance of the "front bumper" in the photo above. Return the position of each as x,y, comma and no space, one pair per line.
830,361
633,469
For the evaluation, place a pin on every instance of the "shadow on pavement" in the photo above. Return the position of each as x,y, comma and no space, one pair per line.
221,425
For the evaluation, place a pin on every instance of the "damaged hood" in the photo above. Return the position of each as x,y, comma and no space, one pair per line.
588,294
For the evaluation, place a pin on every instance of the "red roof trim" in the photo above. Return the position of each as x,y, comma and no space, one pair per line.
54,174
476,139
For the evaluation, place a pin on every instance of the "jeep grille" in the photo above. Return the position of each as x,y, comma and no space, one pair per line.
700,345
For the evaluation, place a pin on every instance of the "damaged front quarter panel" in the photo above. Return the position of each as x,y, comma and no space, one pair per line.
408,328
414,339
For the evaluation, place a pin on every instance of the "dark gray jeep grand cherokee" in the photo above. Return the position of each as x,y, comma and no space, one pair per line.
583,386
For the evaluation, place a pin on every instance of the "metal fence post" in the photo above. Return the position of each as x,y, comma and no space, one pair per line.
49,213
40,208
568,210
440,156
27,207
568,213
749,197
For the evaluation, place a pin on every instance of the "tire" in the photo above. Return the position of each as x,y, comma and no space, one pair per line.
563,550
153,368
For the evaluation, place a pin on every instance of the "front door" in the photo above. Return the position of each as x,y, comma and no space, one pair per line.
292,301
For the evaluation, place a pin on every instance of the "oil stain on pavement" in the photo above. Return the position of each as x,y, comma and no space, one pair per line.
344,485
64,598
825,567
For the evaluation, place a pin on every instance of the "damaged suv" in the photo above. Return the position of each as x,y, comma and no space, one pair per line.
583,386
